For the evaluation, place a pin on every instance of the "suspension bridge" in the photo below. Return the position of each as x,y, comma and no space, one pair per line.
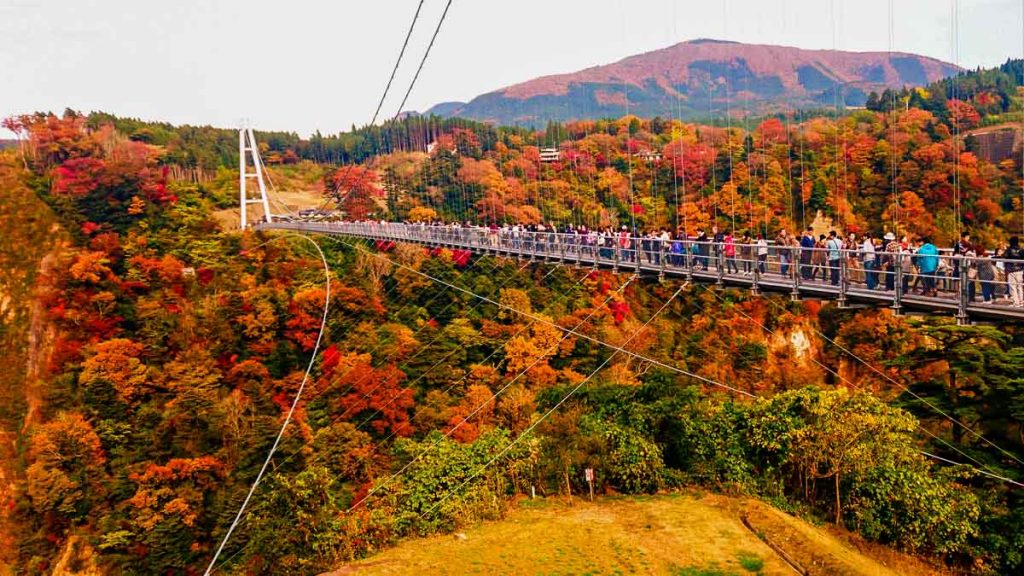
791,271
699,262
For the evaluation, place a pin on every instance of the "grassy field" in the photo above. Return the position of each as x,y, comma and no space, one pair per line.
678,535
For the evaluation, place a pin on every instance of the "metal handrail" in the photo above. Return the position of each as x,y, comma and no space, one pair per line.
890,277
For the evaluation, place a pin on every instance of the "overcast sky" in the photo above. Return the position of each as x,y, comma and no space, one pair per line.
301,65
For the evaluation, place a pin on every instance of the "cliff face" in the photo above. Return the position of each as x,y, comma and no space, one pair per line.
30,239
702,78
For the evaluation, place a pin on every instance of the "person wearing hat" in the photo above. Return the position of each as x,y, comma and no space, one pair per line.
890,259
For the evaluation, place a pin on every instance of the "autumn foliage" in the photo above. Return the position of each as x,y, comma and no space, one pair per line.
171,351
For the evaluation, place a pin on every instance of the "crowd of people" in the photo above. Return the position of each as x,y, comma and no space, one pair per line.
916,265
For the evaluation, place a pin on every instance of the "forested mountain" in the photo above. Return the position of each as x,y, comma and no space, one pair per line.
991,93
149,355
992,96
703,78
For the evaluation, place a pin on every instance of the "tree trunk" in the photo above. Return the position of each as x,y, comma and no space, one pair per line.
21,148
958,431
568,486
839,509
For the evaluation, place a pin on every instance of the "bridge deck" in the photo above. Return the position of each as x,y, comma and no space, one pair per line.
851,289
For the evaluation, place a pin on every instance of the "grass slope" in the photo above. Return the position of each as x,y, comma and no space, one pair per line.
298,186
678,534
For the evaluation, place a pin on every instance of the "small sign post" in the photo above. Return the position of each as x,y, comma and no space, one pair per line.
589,473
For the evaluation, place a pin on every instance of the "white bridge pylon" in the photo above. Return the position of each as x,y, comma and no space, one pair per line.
247,145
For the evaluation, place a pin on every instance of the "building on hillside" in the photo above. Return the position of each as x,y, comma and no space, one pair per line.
550,154
649,155
995,144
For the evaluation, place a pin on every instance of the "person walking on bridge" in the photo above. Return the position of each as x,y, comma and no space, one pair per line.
928,263
806,253
986,272
730,253
718,237
835,254
746,253
867,251
1014,266
782,249
762,254
819,261
960,249
906,264
703,247
889,260
626,245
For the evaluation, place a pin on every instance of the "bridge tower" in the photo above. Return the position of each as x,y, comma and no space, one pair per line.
247,145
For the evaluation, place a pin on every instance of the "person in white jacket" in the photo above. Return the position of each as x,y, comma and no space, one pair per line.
867,251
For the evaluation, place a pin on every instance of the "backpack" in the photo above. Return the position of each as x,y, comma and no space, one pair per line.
834,245
1014,260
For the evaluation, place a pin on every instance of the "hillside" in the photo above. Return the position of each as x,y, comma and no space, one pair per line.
699,77
32,237
684,535
172,349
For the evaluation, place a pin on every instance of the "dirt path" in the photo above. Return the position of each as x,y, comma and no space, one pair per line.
819,550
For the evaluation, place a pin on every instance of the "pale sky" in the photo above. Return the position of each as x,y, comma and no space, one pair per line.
300,65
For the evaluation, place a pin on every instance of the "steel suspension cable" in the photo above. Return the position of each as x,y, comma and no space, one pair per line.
425,347
835,103
397,62
424,60
417,354
986,473
584,336
675,115
714,161
334,420
629,150
728,129
543,417
983,468
892,129
955,46
479,407
906,389
788,112
493,353
291,410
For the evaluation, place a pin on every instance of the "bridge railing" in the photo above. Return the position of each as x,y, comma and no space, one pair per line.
953,281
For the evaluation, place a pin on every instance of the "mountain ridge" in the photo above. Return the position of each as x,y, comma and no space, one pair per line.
703,77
